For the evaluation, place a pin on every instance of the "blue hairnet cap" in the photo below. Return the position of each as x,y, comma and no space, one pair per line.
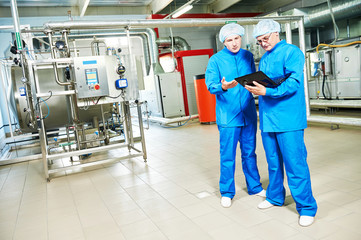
229,30
266,26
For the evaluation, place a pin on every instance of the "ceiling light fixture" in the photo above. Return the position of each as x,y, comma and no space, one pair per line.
183,9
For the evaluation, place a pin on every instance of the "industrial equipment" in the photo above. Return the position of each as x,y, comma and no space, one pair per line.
334,73
73,93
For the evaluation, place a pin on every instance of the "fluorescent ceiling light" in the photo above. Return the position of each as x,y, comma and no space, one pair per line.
85,6
182,11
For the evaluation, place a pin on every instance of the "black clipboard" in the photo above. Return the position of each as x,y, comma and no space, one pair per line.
261,78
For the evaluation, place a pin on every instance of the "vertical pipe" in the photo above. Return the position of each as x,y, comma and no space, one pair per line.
301,31
65,36
288,32
19,41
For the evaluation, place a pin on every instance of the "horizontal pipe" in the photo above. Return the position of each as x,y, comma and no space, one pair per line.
172,120
58,93
335,120
156,23
336,103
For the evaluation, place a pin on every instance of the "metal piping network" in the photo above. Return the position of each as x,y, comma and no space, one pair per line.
150,47
153,23
53,56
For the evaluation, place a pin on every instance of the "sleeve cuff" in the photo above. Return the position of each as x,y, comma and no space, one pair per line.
220,89
270,91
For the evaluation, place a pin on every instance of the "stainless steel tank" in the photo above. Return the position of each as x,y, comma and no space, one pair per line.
59,108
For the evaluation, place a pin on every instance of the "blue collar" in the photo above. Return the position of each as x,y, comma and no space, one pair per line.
225,49
280,43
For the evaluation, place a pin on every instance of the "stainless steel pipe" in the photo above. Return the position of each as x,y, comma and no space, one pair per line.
156,23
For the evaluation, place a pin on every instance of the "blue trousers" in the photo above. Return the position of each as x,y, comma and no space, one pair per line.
229,138
288,149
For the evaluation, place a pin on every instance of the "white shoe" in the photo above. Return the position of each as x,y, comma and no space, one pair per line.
265,204
226,202
261,193
306,221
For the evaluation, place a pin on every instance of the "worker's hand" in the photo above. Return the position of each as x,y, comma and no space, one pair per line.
258,89
227,85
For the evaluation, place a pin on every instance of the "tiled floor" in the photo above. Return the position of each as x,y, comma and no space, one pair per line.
175,195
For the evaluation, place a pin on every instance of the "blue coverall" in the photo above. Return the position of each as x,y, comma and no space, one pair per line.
282,113
236,118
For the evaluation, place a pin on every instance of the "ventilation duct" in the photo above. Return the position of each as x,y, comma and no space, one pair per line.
179,43
320,14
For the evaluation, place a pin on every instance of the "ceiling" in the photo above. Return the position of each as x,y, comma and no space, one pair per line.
160,6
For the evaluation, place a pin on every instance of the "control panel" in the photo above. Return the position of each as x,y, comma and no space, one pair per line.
93,74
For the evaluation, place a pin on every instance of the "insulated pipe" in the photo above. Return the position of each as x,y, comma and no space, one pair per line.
288,33
319,15
14,13
19,41
65,36
176,40
301,32
156,23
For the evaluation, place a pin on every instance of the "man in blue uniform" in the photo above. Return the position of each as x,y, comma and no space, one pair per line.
282,113
235,112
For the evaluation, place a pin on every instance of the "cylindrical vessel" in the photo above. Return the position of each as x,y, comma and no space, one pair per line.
206,102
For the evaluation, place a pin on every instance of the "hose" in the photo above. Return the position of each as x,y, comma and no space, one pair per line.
334,46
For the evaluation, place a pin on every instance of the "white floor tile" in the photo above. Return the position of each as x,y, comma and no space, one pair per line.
163,199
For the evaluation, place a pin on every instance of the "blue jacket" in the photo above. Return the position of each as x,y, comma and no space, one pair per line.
234,107
283,108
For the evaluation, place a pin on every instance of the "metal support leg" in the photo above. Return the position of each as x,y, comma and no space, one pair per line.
125,123
43,144
141,129
68,138
130,126
128,131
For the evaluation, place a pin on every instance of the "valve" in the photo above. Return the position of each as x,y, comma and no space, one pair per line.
121,70
60,45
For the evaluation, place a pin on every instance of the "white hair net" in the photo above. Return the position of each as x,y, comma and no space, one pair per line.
266,26
229,30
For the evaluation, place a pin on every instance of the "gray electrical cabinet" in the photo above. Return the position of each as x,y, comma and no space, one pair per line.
171,95
347,71
342,73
